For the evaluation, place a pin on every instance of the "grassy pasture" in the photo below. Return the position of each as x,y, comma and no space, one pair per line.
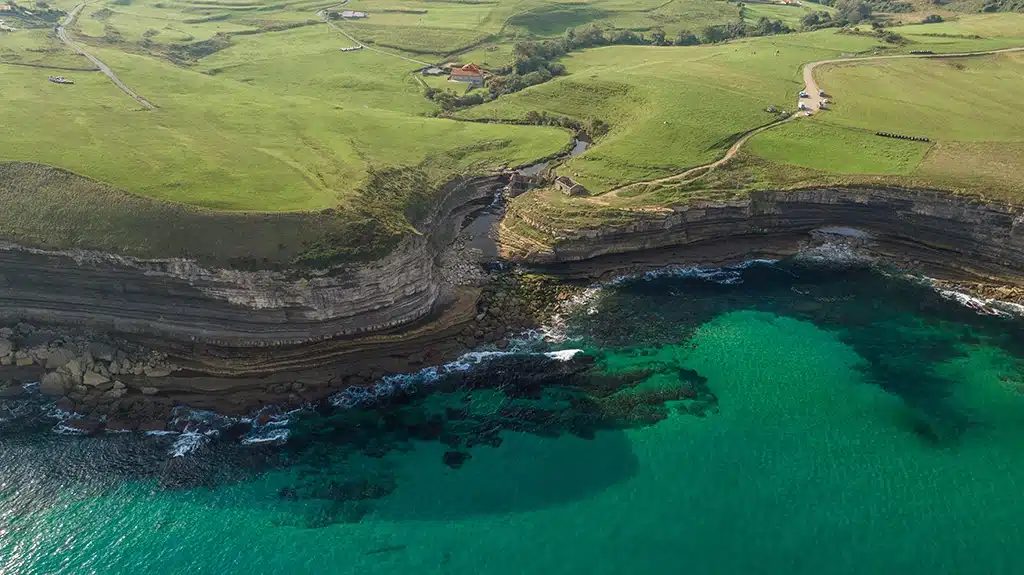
238,146
672,108
38,48
819,145
958,99
282,121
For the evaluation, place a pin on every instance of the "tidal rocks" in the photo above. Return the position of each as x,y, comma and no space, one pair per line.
93,379
455,459
56,383
85,426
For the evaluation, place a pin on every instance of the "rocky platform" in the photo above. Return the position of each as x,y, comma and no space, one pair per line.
937,233
149,335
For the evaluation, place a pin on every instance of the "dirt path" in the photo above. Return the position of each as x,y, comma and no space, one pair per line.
811,84
813,100
63,35
323,16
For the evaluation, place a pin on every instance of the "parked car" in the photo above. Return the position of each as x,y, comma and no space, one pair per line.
803,94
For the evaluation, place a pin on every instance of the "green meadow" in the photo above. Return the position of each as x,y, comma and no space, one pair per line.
260,112
672,108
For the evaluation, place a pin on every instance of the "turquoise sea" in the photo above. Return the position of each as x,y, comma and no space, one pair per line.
766,419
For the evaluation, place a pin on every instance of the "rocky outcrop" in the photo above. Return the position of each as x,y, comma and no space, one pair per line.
180,300
945,234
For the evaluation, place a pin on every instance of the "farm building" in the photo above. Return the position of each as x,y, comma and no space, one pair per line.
433,71
569,187
6,8
470,73
349,14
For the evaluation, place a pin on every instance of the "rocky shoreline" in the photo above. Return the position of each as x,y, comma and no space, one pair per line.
133,380
118,384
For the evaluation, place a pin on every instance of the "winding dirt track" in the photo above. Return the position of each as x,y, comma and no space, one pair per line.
63,35
323,16
814,102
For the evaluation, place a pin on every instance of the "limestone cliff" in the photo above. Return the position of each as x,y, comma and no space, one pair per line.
180,300
945,233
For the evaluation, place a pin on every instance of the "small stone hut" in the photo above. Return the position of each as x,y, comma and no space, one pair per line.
570,187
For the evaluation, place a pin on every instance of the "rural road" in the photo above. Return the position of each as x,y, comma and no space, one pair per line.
63,35
322,13
811,85
813,100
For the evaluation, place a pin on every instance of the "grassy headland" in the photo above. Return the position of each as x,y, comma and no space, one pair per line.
261,118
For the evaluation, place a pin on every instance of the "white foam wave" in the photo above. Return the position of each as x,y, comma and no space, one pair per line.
727,275
984,306
273,435
190,441
564,355
64,429
354,396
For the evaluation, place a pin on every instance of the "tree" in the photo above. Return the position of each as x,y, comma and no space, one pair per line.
713,34
627,37
686,38
589,35
932,19
658,37
852,11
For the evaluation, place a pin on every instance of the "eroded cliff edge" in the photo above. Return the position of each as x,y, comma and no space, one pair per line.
943,234
182,301
231,340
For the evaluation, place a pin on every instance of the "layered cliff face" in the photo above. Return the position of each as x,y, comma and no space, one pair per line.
945,233
180,300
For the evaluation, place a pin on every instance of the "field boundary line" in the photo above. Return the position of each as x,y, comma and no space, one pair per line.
322,14
62,33
814,97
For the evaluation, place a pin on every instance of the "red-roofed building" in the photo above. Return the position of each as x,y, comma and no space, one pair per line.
470,73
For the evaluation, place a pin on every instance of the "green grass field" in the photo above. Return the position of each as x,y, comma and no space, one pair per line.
672,108
965,106
817,144
38,48
961,99
260,112
296,130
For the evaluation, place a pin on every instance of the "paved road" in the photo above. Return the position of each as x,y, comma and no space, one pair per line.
813,100
63,35
323,16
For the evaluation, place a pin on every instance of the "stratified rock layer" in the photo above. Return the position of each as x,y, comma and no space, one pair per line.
180,300
945,234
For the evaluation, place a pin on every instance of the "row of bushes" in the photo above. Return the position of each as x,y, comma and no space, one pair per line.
535,62
592,127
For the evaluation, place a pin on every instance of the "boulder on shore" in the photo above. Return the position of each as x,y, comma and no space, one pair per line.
92,379
54,383
86,426
151,371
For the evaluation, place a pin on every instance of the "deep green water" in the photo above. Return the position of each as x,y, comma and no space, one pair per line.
795,421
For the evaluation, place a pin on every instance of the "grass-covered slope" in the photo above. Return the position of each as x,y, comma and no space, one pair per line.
672,108
965,107
289,123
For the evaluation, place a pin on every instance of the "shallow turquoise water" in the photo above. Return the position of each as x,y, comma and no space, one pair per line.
835,422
